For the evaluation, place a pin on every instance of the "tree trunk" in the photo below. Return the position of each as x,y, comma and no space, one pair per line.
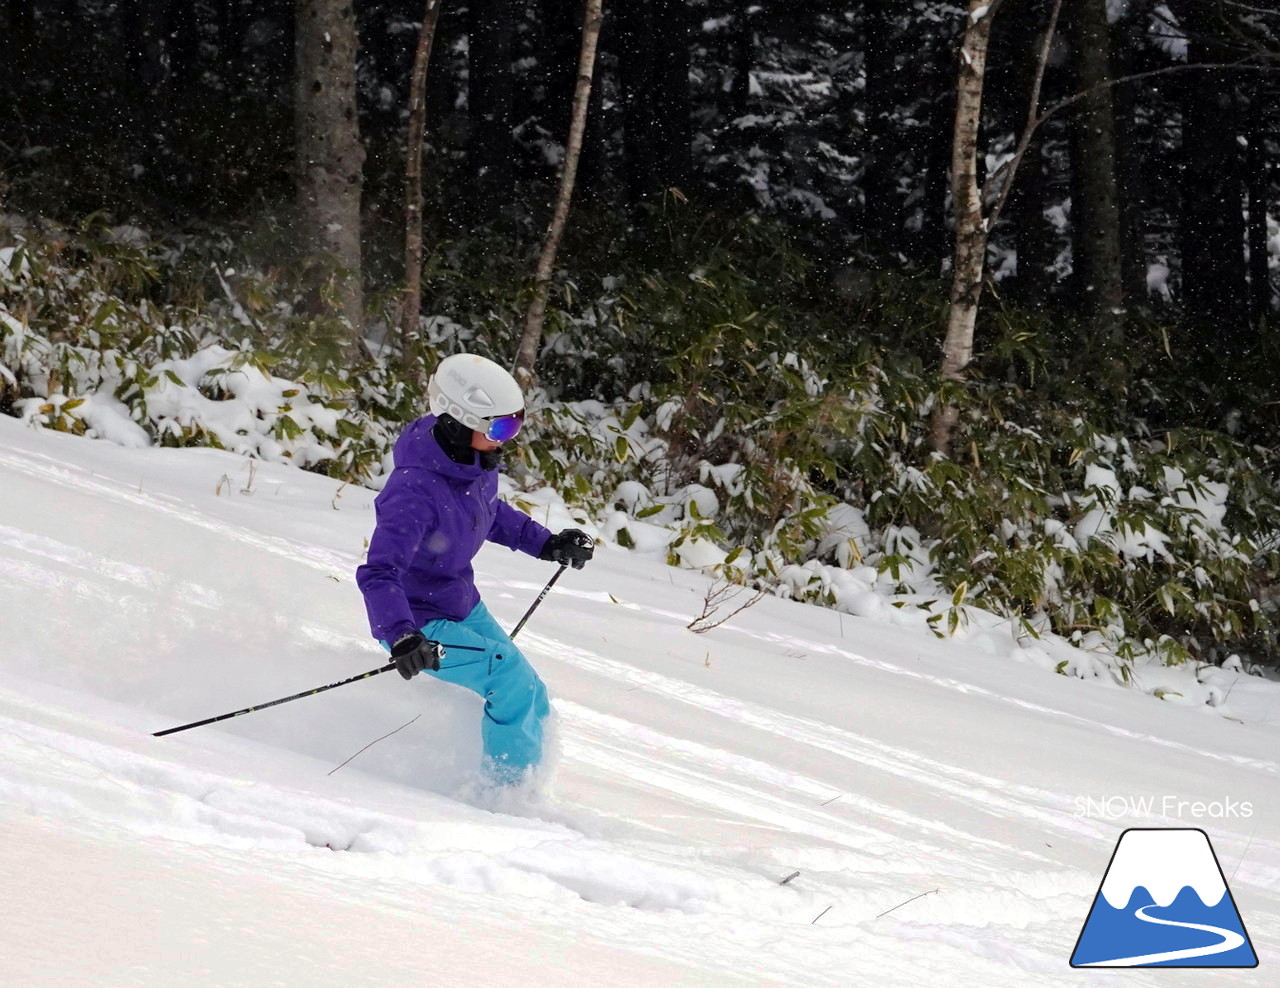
969,259
490,97
1034,236
561,33
182,44
530,339
744,56
1214,274
15,43
653,82
232,23
147,43
675,131
412,304
329,159
932,162
1259,182
884,212
1095,204
17,20
1135,195
973,223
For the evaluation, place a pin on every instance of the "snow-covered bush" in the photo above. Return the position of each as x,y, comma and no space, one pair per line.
105,334
715,409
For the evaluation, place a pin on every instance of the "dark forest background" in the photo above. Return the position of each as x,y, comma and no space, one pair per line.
832,117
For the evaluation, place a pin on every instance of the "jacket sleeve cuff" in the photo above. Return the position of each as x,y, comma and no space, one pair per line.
537,541
398,632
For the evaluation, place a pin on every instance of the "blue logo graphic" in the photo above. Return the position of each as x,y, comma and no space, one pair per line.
1164,902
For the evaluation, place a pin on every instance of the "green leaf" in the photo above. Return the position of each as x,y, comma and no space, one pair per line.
105,311
287,427
349,430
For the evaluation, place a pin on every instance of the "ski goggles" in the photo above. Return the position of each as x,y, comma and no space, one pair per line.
503,428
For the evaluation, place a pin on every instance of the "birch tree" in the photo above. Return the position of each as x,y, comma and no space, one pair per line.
535,316
976,204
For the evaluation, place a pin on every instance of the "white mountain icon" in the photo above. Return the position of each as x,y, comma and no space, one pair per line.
1164,901
1164,862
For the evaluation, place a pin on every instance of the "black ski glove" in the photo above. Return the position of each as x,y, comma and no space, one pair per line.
569,548
413,653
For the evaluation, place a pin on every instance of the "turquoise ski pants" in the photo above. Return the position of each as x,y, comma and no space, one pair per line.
515,699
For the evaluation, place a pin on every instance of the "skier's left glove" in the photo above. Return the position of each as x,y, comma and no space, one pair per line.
569,548
413,653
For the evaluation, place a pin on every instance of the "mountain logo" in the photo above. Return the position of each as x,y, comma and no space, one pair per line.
1164,902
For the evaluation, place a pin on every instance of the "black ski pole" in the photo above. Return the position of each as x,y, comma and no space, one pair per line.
534,606
297,696
355,679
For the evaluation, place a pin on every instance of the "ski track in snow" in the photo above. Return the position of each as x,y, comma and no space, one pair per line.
105,785
994,796
941,681
944,682
307,555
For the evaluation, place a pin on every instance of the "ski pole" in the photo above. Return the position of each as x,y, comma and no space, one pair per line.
355,679
534,606
297,696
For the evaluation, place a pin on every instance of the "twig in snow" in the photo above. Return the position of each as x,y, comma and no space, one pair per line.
372,743
722,592
821,914
833,798
794,874
912,899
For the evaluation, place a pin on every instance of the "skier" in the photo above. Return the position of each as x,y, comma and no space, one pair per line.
438,508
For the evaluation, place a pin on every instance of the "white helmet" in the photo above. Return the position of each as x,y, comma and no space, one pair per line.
474,390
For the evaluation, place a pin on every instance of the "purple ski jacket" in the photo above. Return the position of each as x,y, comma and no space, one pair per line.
433,516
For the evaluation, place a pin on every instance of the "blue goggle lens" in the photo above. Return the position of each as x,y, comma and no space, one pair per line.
506,428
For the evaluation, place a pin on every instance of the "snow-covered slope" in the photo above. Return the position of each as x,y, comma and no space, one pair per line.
950,810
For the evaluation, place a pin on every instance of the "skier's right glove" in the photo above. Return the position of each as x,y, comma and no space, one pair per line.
413,653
